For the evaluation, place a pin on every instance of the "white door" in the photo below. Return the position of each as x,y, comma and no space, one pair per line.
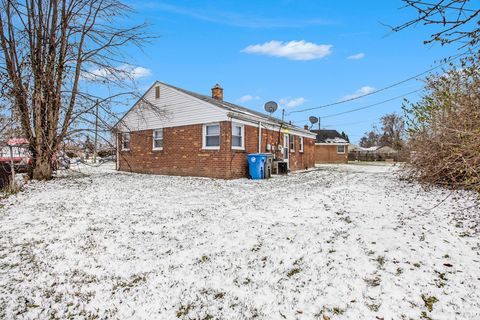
286,149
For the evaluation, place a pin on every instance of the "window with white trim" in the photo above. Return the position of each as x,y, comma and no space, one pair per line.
238,136
211,136
126,141
300,146
340,149
292,142
158,139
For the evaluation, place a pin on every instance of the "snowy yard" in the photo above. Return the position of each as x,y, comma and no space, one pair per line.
342,242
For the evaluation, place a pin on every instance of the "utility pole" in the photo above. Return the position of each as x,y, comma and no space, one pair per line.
12,167
319,126
96,134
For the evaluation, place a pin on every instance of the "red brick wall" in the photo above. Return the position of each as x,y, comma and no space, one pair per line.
182,153
328,154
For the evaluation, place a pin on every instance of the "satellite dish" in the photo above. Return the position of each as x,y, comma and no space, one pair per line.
313,119
271,106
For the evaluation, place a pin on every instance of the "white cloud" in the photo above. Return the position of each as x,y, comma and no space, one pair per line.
122,72
293,50
248,97
140,72
357,56
360,92
292,102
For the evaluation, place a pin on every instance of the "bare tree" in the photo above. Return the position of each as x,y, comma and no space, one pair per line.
393,131
370,139
459,20
48,48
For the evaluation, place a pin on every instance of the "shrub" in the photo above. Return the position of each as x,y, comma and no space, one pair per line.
444,129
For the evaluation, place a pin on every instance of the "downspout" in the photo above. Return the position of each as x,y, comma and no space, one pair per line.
259,137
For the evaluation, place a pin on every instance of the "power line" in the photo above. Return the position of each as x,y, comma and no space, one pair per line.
364,107
382,89
346,124
371,105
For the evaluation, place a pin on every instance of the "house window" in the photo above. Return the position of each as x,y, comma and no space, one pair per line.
158,139
211,136
238,136
341,149
300,147
125,141
157,92
292,142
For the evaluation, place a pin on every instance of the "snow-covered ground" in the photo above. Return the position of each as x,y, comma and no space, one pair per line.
342,242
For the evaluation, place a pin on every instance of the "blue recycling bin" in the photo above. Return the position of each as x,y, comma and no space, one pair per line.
256,165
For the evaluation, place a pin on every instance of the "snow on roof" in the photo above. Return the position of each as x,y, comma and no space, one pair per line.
336,140
329,136
17,141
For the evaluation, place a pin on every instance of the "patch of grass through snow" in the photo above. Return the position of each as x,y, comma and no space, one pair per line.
373,282
184,310
293,272
373,306
381,261
127,285
429,302
399,271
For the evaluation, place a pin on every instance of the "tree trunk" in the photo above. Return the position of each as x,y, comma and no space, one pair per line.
42,167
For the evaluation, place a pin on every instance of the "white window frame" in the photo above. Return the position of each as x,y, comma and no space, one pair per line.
124,134
341,145
242,127
291,142
153,139
204,136
300,147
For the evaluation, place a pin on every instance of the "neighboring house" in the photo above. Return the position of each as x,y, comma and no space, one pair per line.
177,132
375,153
15,150
73,150
330,147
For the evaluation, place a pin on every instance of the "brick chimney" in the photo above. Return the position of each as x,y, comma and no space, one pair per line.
217,92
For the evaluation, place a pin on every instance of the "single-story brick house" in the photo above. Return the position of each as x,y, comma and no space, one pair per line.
177,132
330,147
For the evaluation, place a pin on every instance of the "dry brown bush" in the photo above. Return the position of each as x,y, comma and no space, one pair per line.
444,129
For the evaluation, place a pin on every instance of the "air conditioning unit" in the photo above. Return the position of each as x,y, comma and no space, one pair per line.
269,166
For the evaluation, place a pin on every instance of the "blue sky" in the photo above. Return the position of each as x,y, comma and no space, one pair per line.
300,53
